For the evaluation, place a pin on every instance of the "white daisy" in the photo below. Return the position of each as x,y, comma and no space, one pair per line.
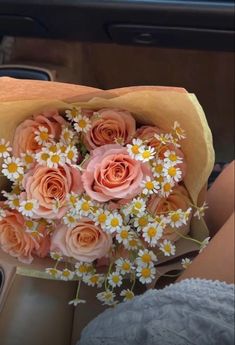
171,158
13,201
123,265
157,168
84,207
201,211
167,248
149,186
114,222
204,244
141,221
164,138
132,244
76,301
127,294
123,235
12,168
53,272
73,113
152,233
70,220
66,135
82,124
71,154
83,268
72,198
27,159
56,159
56,256
94,279
66,274
2,214
115,279
172,173
146,274
43,156
145,258
176,218
107,297
146,154
186,263
166,188
137,206
5,148
180,133
101,216
42,135
134,148
28,207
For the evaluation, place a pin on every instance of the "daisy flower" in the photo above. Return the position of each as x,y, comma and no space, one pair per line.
42,156
83,268
201,211
138,206
12,168
123,235
145,258
149,186
71,154
73,113
167,248
157,168
27,159
123,265
146,274
2,214
28,207
56,256
146,154
164,138
70,220
152,233
115,279
171,173
132,244
66,274
114,222
171,158
66,135
107,297
141,221
13,201
204,244
186,263
176,218
53,272
180,133
127,294
94,279
101,216
72,198
134,148
82,124
166,188
42,135
55,159
84,207
76,301
5,148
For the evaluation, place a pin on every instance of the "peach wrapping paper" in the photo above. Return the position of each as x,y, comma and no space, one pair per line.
151,105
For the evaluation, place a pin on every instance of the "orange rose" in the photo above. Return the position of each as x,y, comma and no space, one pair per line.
24,138
178,199
15,241
111,125
84,242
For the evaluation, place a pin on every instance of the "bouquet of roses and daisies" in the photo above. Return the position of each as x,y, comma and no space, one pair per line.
115,181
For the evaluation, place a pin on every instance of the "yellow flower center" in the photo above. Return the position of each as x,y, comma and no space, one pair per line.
28,159
102,218
3,148
74,112
82,123
138,205
29,224
172,171
94,279
160,179
55,159
146,154
82,269
53,148
70,219
175,217
124,234
158,168
114,222
53,271
12,167
72,199
173,157
132,243
63,148
70,155
167,187
152,232
167,248
85,206
135,149
44,136
66,136
115,279
44,156
126,266
129,295
146,258
65,273
149,185
143,221
28,206
145,272
16,202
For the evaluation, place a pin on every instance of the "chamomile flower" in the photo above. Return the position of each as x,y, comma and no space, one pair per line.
101,216
137,206
171,158
176,218
123,265
186,263
107,297
27,159
167,248
187,214
127,294
13,201
2,214
12,168
146,274
172,173
94,279
77,301
66,135
5,148
55,159
141,221
43,156
152,233
149,186
71,154
83,268
157,168
145,258
28,207
201,211
115,279
204,244
42,135
132,244
164,138
146,154
180,133
66,275
70,220
73,113
82,124
53,272
57,256
72,199
123,235
166,188
84,207
134,148
114,222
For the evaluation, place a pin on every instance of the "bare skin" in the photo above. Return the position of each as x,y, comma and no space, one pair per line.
216,262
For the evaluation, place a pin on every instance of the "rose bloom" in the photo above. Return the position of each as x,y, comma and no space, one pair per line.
178,199
24,138
84,242
111,173
49,184
18,243
111,124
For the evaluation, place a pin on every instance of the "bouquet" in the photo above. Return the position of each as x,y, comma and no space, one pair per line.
104,188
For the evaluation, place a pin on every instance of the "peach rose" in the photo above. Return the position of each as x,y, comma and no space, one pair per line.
110,125
24,138
84,242
178,199
18,243
47,184
111,173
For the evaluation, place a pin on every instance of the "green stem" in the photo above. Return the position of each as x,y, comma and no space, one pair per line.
78,288
187,237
